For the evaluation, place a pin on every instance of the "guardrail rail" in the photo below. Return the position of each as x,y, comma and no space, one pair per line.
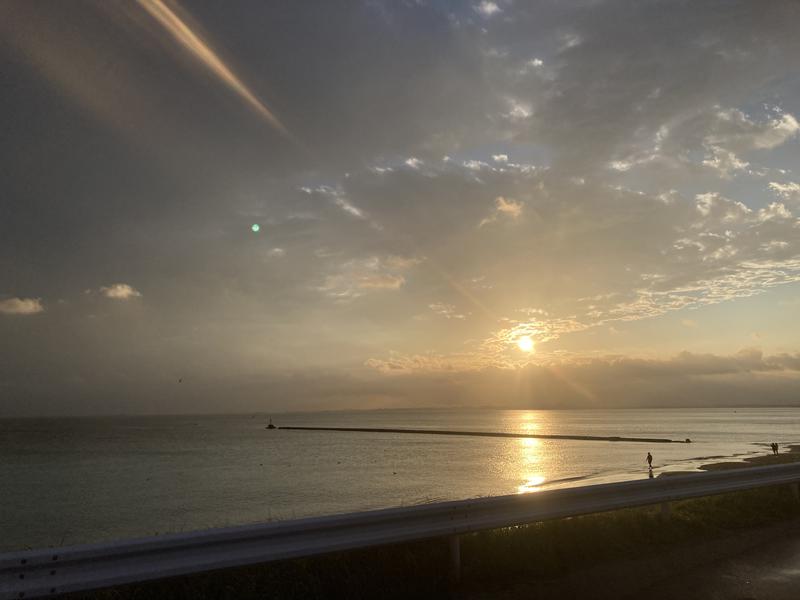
44,572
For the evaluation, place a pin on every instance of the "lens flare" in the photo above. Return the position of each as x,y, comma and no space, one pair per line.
202,52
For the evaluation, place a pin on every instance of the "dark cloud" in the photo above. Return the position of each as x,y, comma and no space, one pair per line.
686,380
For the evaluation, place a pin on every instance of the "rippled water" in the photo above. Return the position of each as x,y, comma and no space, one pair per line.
66,481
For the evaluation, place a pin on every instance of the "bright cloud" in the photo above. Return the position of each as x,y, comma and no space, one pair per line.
731,131
120,291
507,207
788,191
725,162
518,110
487,9
21,306
337,197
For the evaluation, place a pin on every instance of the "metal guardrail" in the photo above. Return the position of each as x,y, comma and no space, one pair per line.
37,573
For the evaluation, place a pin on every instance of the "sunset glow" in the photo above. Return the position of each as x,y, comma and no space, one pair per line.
534,221
525,344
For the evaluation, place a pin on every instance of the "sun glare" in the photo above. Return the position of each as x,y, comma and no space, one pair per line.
525,343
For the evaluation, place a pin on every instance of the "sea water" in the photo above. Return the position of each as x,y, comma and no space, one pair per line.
69,481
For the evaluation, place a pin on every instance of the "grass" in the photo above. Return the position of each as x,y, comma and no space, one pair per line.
554,548
539,551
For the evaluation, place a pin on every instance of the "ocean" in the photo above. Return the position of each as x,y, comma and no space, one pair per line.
78,480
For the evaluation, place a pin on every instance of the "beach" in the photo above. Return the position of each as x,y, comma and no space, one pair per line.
787,455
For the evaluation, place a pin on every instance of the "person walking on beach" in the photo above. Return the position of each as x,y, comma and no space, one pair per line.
775,448
649,461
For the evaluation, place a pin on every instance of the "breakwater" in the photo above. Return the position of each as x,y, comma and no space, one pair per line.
494,434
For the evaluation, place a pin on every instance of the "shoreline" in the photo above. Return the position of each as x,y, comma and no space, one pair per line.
790,455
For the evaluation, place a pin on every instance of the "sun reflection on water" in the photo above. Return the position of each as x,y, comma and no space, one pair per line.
530,463
532,484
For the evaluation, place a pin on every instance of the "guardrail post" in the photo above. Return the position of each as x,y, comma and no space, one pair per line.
454,542
666,511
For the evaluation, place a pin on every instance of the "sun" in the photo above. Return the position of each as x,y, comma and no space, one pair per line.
525,343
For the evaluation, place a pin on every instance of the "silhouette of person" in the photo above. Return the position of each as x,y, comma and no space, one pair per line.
775,448
649,461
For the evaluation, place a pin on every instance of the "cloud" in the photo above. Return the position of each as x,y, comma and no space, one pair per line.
120,291
507,207
775,210
21,306
487,9
606,107
684,380
609,91
518,110
448,311
474,165
358,277
734,130
725,162
337,197
749,360
789,191
603,253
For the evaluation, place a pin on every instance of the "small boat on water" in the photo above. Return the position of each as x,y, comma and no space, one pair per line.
270,425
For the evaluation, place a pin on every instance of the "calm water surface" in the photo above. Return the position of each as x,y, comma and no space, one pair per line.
67,481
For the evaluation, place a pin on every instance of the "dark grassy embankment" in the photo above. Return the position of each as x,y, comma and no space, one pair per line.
627,548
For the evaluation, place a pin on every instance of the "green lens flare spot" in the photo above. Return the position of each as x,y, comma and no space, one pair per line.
256,227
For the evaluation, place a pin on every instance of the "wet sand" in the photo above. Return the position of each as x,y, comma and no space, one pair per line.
787,455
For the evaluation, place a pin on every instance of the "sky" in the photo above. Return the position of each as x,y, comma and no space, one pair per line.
278,206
